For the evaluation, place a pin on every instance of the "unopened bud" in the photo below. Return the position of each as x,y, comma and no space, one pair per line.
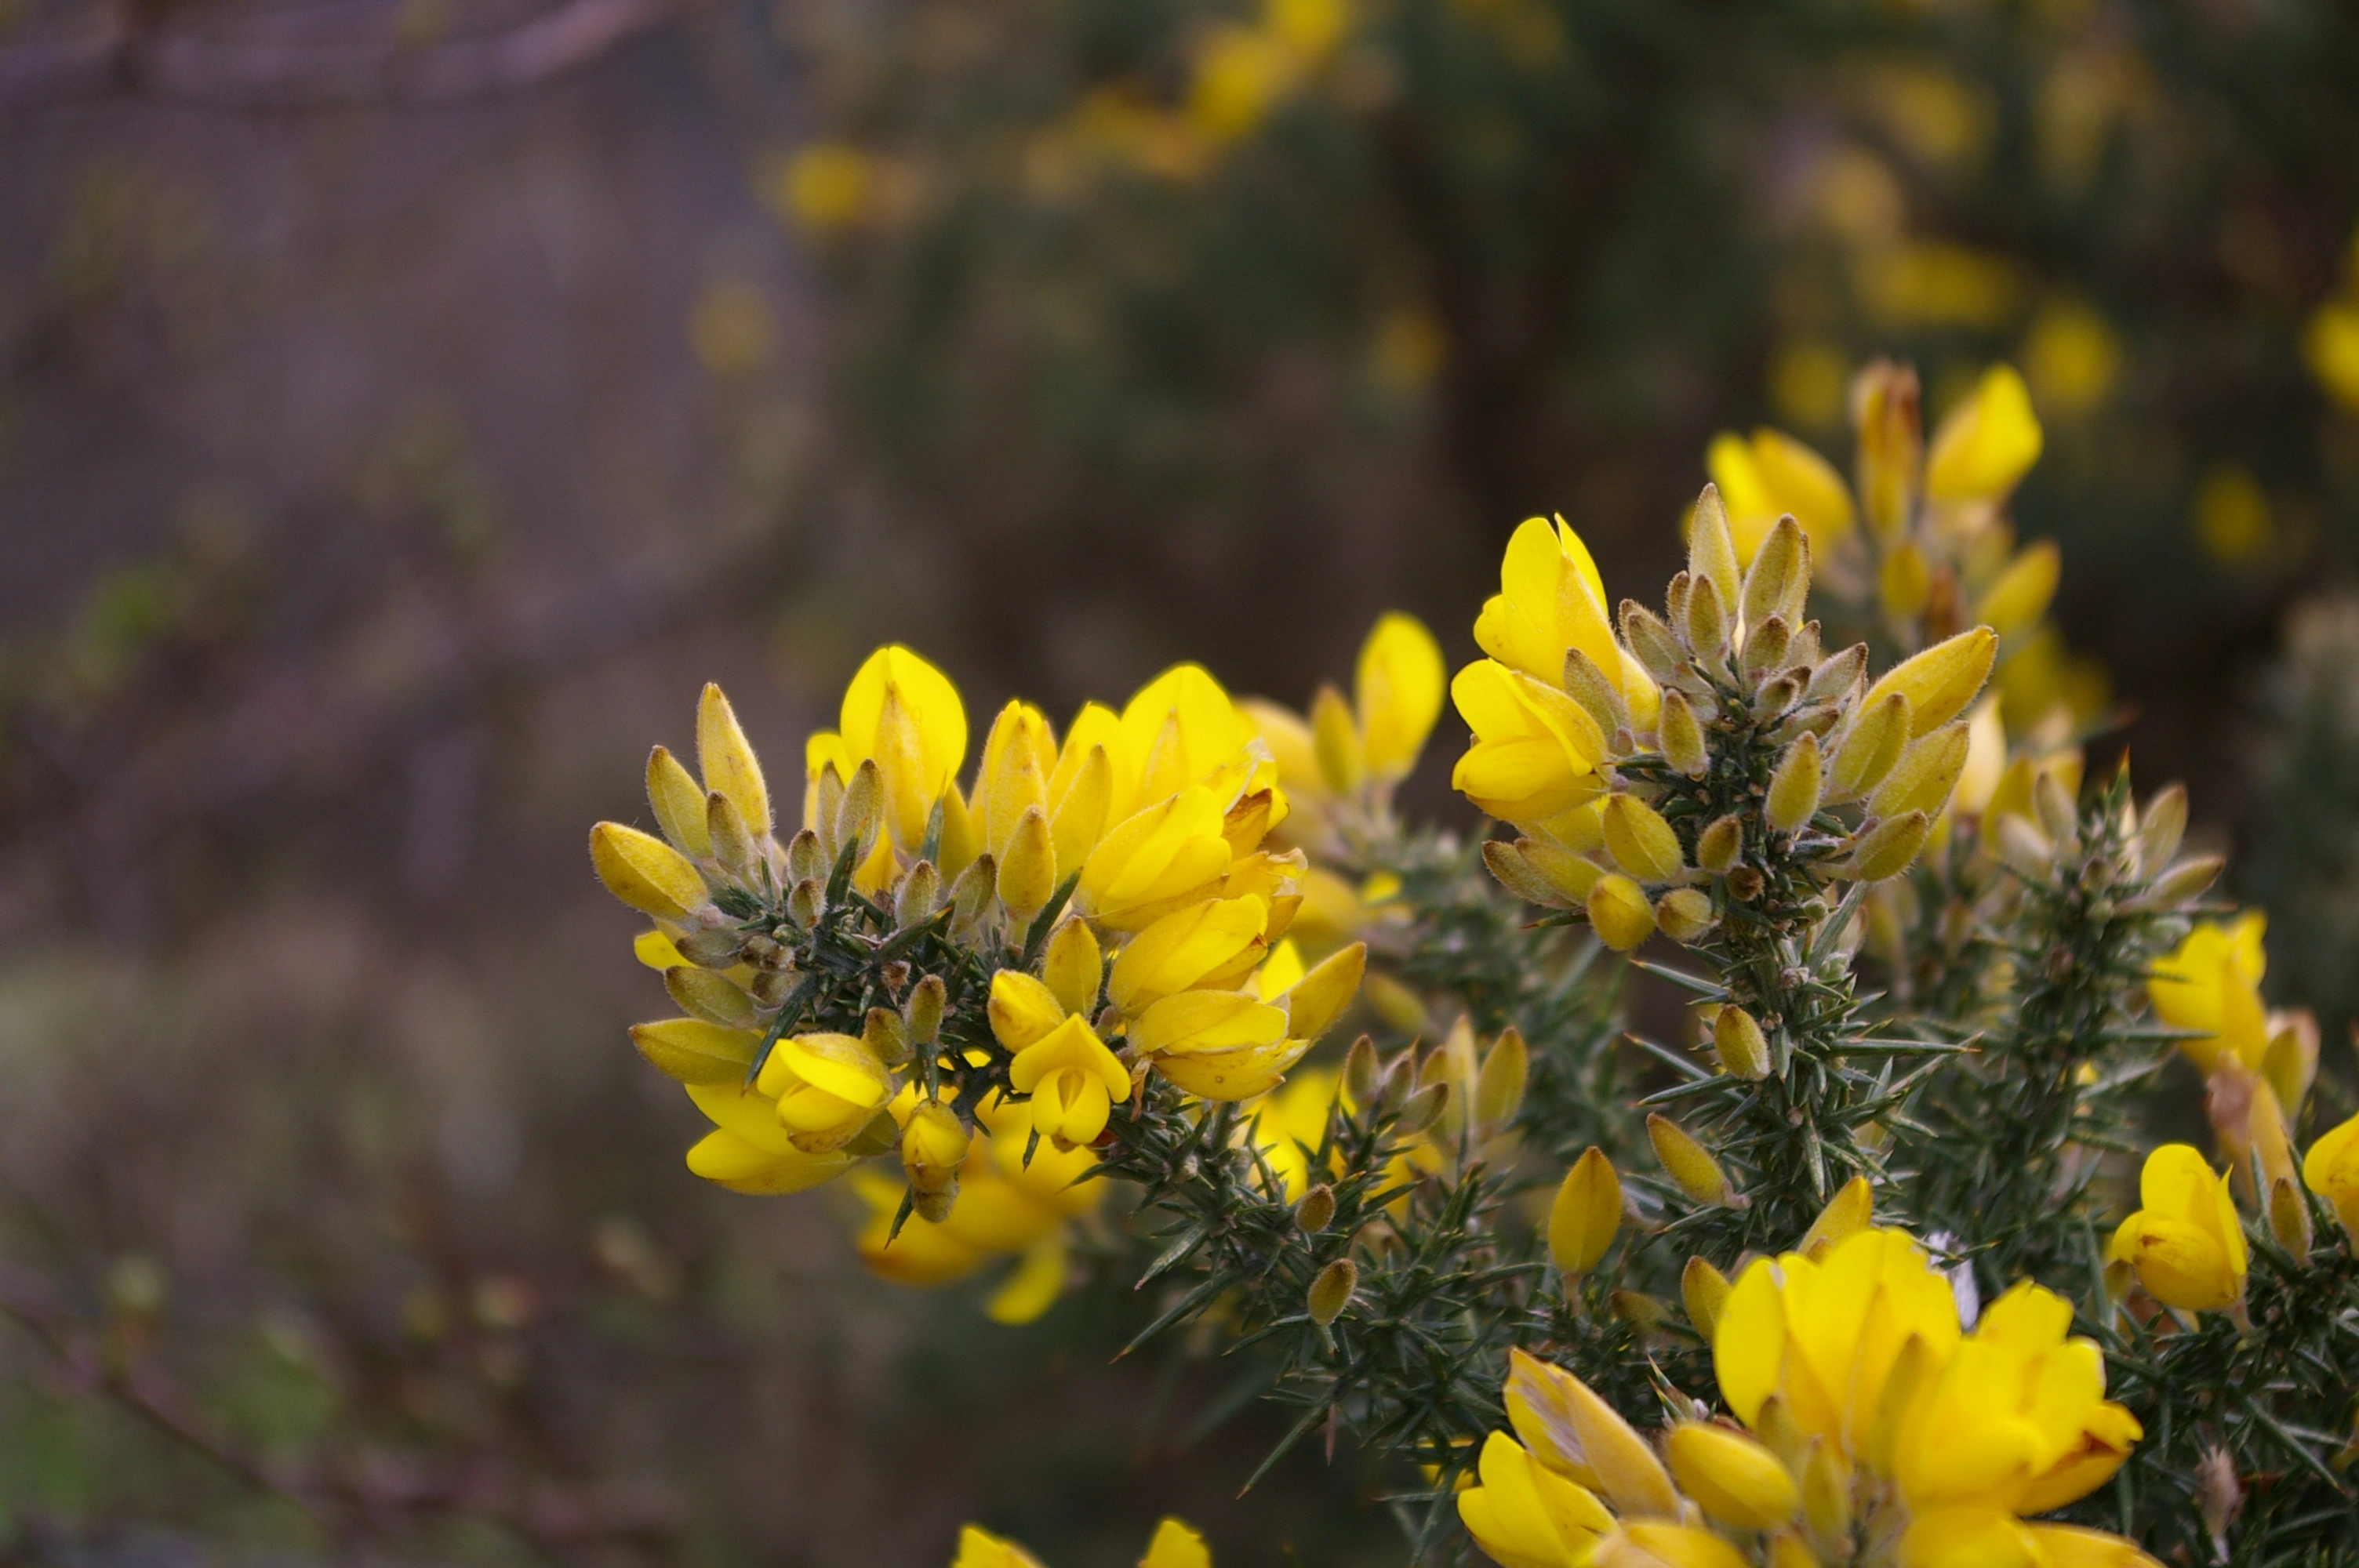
919,895
1720,843
1707,619
1316,1212
1886,849
1687,1162
1926,774
1743,1049
1585,1215
713,946
2290,1218
2162,825
1398,1081
1360,1070
1650,639
806,903
2056,813
1703,1291
2185,880
1499,1085
1834,675
923,1013
971,890
1682,737
1765,647
1641,841
1331,1292
1848,1213
1619,913
733,842
1685,913
1423,1109
862,814
1780,578
805,858
1794,787
824,805
1595,691
1712,548
1775,697
702,994
885,1034
1638,1309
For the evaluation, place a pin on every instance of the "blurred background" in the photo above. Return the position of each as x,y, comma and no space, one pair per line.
407,405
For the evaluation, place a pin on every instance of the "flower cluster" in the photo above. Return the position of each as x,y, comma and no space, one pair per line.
1874,1423
1922,546
977,977
1709,759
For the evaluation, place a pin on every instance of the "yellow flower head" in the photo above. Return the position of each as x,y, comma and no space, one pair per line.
2331,1170
1398,694
2185,1242
1536,749
1986,444
2212,982
1552,598
905,715
1772,475
1074,1081
1171,853
1527,1515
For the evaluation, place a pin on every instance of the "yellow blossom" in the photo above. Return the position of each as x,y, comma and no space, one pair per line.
2211,983
1552,598
1166,855
2331,1170
1528,1516
1535,751
1772,475
1398,694
1214,945
1986,444
2185,1242
1074,1081
905,715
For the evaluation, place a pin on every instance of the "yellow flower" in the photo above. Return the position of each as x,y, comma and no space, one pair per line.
1774,475
1536,749
1072,1077
1550,599
1569,1430
1212,946
2211,983
1735,1480
1181,729
1166,855
905,715
2331,1170
1986,444
1398,694
1586,1214
2185,1242
1175,1545
1219,1044
1528,1516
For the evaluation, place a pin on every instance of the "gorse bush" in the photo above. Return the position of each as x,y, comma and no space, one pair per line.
1872,1267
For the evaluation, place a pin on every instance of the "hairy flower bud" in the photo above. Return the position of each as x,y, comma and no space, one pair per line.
1619,913
645,872
1720,843
1687,1162
727,761
1780,576
859,817
710,997
1872,746
1586,1214
1886,849
1795,786
1940,682
1331,1292
1684,914
1707,622
1499,1085
1703,1291
1641,842
1682,737
1765,647
1027,869
923,1013
1651,641
1711,548
1316,1211
1737,1040
1362,1071
1595,691
677,801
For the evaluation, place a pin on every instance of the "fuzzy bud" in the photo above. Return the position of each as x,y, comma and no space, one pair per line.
1619,913
1641,842
805,858
645,872
703,994
860,816
1707,619
1765,647
1361,1071
1685,913
1886,849
733,842
806,902
1331,1292
1585,1215
1598,696
1687,1162
1650,639
1316,1212
919,896
922,1014
1873,746
886,1035
1499,1083
2185,880
677,801
1712,548
714,946
1027,866
1780,576
1682,737
1423,1109
2161,827
1720,843
1743,1049
1833,676
1703,1291
1795,786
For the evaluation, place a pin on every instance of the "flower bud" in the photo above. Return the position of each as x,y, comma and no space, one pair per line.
727,759
1703,1291
1650,641
1074,965
2161,826
1499,1085
805,858
1331,1292
1720,843
859,817
1711,548
1682,737
1872,746
1335,736
1685,913
886,1035
1316,1211
1737,1040
1361,1071
1765,647
1422,1110
806,902
1833,676
1707,619
1027,869
713,946
1780,576
732,843
2021,593
1585,1215
1619,913
645,872
1848,1213
2059,817
923,1013
1794,787
691,1050
1687,1162
1736,1481
677,801
933,1146
2181,884
919,896
710,997
1886,849
972,889
1641,842
1316,1001
1928,770
1595,691
1940,682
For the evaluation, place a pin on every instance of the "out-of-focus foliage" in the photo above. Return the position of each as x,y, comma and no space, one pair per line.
1238,282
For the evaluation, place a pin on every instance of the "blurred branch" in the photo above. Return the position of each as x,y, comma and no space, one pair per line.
190,67
125,1381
